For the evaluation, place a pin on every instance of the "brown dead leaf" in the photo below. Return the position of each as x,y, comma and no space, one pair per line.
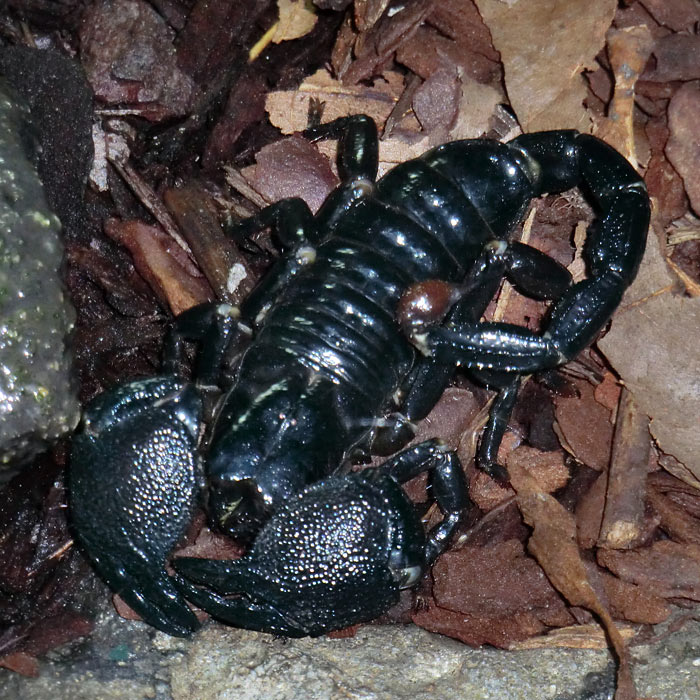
296,18
494,594
545,46
664,183
683,147
678,15
589,513
547,468
607,393
663,370
628,601
376,44
162,263
677,58
675,519
288,110
666,569
462,39
292,167
553,543
585,426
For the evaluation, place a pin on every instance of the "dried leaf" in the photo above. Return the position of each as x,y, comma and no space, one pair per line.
553,543
678,15
677,58
663,370
585,426
291,167
666,569
494,594
683,147
162,263
675,520
545,46
297,18
628,601
547,468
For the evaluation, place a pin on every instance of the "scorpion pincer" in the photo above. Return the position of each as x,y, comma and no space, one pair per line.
353,339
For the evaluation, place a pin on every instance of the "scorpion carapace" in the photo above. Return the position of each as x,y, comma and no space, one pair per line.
352,335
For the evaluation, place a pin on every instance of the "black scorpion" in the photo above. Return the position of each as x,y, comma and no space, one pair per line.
346,326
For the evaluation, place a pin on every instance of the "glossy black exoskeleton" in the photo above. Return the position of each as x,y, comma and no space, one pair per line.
335,346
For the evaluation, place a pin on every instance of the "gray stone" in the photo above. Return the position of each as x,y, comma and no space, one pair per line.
37,400
130,660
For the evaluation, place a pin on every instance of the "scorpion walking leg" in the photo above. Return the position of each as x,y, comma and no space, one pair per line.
358,150
358,161
292,224
447,482
214,326
502,407
429,377
526,267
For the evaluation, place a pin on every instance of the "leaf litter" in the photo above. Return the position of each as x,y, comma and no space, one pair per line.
602,518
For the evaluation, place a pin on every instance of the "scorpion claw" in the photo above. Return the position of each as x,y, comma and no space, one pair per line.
215,573
134,463
152,594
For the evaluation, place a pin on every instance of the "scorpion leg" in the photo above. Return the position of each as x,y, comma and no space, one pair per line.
430,377
291,220
292,224
358,148
358,161
448,486
213,326
525,266
502,407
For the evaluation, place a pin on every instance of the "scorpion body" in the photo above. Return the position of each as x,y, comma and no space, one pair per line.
337,339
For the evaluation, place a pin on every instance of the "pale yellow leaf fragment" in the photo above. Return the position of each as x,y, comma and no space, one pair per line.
545,47
297,18
590,636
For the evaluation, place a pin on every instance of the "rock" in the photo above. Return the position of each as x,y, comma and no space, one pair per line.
37,401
